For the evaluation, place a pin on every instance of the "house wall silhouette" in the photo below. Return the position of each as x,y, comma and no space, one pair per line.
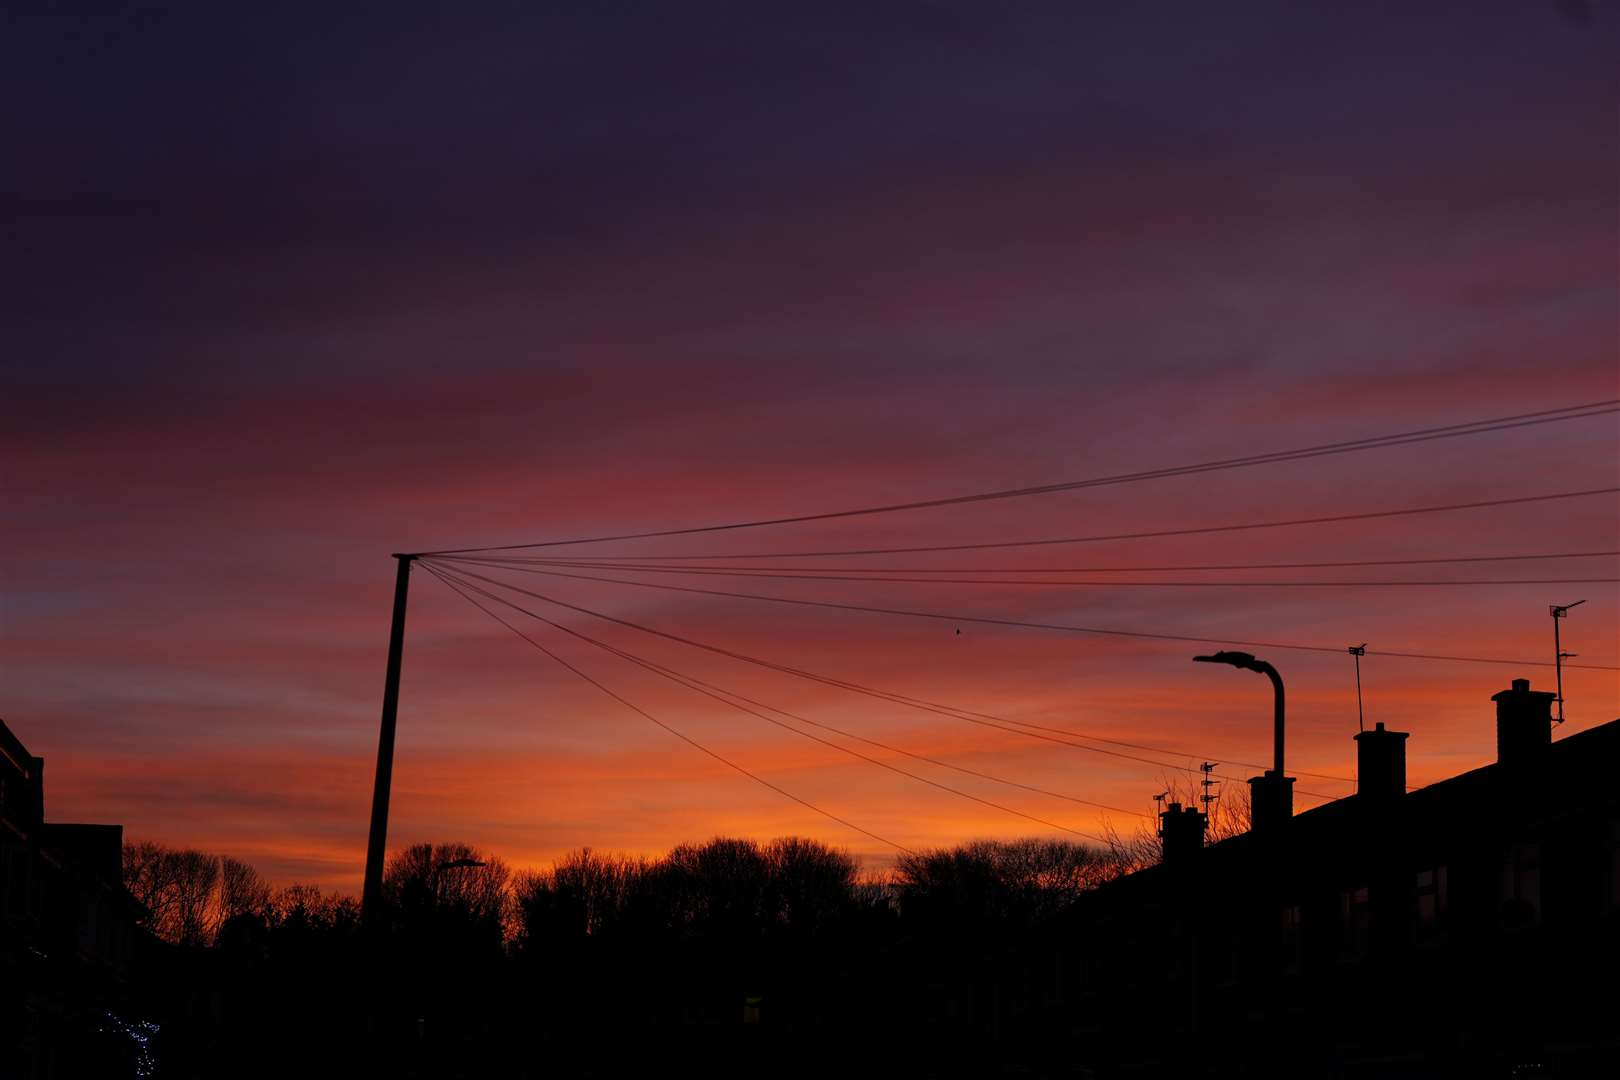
1470,927
67,926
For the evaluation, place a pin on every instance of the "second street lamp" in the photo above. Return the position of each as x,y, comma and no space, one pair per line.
1271,794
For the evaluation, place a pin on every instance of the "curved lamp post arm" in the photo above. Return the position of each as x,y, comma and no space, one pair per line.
1248,662
1276,712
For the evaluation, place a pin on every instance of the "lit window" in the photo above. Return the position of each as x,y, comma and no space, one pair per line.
1521,886
1353,924
1432,903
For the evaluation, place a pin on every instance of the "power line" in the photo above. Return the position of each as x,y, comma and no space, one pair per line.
724,696
1062,627
1478,427
712,690
951,711
1102,537
955,712
679,735
602,560
1071,584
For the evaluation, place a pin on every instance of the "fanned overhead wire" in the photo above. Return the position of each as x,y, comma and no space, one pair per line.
1029,624
1082,583
678,734
725,697
983,719
1151,534
1450,431
1186,567
692,679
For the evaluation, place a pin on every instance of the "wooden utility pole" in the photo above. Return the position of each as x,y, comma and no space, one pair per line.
377,845
373,1052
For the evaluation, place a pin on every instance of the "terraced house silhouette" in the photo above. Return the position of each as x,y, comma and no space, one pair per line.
1470,927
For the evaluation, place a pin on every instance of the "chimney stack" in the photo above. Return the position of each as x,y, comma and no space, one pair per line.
1271,801
1523,725
1381,764
1182,830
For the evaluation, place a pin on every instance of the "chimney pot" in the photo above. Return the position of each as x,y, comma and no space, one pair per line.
1523,725
1182,829
1381,764
1271,801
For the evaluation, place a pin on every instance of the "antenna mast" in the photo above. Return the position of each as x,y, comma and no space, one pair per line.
1560,611
1358,651
1209,796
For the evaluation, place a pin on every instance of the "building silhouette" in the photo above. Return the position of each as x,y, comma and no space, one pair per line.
1466,928
1469,928
67,928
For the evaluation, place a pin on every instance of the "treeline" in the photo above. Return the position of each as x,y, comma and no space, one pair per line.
719,951
189,895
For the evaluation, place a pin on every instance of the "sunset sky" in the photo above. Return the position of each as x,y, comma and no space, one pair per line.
287,291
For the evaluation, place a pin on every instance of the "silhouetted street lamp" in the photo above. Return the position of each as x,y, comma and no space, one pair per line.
1249,663
1271,796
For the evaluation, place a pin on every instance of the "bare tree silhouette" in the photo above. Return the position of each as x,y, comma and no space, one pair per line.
451,876
242,892
810,882
1229,816
178,887
996,883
